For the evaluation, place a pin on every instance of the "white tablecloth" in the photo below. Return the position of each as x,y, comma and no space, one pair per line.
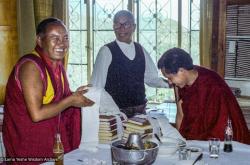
1,108
2,149
239,156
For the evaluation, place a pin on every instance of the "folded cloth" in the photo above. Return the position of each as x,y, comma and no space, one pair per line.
88,146
120,128
90,118
107,104
188,162
104,104
161,124
102,98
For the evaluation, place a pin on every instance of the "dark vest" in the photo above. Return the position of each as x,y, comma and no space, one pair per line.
125,78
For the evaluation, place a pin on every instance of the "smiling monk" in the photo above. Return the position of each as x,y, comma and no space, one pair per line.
38,101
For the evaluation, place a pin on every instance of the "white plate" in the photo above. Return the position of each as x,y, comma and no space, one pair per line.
195,149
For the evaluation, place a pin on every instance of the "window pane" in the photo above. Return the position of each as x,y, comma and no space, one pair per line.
77,15
185,27
77,75
77,68
195,15
77,51
157,31
195,31
77,30
101,38
158,25
195,51
103,22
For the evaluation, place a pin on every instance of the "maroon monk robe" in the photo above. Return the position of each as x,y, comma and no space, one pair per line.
207,104
26,139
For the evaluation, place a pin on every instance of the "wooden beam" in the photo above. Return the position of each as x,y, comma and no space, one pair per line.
219,36
238,2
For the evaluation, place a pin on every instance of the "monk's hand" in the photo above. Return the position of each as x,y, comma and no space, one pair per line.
79,100
87,102
84,88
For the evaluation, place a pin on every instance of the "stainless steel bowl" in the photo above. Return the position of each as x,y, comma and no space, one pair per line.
129,157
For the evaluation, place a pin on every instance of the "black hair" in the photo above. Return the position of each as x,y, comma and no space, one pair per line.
175,58
43,25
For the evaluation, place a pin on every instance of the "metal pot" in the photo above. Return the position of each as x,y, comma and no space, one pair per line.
138,157
134,140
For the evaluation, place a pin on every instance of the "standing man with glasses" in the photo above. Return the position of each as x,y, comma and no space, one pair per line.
123,66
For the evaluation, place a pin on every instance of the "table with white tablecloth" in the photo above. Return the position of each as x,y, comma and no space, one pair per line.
239,156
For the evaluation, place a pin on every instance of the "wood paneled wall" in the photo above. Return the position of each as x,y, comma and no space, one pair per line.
238,2
218,36
8,42
219,33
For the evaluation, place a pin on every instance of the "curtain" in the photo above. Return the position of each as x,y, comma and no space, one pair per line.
206,15
8,41
36,10
26,27
18,20
42,10
60,10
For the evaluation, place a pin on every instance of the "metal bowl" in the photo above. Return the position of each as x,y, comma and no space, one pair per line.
130,156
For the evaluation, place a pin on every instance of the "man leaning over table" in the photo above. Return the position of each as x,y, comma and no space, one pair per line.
38,100
205,100
123,66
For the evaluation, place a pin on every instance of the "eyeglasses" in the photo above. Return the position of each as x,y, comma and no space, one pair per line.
125,25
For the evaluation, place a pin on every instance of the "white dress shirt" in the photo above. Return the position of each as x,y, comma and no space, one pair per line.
104,58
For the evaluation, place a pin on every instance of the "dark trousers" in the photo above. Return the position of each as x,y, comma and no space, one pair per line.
136,110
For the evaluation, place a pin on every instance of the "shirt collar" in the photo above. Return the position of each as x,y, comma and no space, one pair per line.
124,44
